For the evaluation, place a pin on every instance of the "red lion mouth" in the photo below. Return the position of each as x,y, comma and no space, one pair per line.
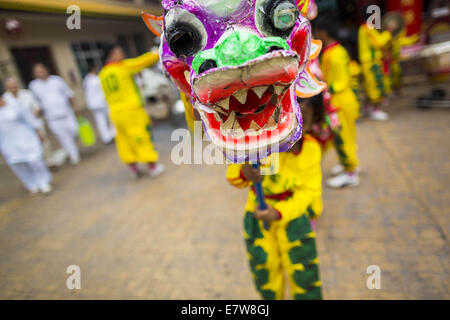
253,101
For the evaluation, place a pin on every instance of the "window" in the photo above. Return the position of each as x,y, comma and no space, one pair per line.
89,53
139,43
123,42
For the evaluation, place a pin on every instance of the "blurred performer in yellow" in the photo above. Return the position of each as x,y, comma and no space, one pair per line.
371,44
395,23
293,195
133,125
398,42
335,65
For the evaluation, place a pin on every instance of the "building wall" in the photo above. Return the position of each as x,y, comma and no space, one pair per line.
7,66
40,29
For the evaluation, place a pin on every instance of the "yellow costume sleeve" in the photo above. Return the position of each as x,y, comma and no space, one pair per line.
378,39
355,68
401,41
407,41
307,193
135,65
234,176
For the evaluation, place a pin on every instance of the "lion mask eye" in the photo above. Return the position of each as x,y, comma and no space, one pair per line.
284,16
276,17
184,33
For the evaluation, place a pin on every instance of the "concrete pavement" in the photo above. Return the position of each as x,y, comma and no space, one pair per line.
179,236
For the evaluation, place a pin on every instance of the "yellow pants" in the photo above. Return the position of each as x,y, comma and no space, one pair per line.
373,82
285,248
133,139
345,138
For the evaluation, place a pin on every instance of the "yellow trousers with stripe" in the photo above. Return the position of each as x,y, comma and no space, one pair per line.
374,85
285,247
345,140
134,140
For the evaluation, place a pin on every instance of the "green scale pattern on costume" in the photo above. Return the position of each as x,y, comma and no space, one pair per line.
258,255
339,144
311,213
305,253
376,69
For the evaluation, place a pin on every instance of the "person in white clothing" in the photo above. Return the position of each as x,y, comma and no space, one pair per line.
21,147
58,106
27,99
25,96
96,102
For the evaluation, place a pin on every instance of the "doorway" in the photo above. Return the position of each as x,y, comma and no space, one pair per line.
25,58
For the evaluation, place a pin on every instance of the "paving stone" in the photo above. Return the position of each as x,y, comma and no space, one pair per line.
179,236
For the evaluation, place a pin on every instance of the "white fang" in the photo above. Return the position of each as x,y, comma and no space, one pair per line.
279,90
187,74
229,123
241,95
224,104
259,91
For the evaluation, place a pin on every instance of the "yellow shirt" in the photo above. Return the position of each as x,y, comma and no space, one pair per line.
300,174
121,91
335,65
371,43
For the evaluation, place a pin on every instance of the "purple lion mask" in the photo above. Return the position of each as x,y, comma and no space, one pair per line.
243,63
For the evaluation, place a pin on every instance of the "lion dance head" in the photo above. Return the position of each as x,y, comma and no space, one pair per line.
243,63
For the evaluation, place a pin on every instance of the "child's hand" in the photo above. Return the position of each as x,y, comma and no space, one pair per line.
38,113
251,174
268,215
78,111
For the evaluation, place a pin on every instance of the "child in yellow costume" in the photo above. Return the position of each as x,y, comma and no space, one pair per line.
293,195
371,44
132,123
335,65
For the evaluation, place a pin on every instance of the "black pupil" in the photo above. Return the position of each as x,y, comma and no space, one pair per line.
208,64
271,49
183,40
